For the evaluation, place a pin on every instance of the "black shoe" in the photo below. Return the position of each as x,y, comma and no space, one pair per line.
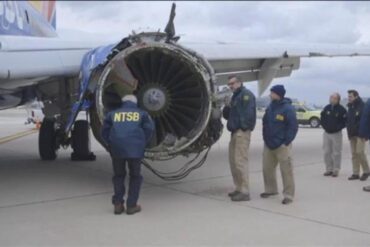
335,174
364,176
119,208
354,177
366,188
240,197
326,174
133,210
287,201
267,195
234,193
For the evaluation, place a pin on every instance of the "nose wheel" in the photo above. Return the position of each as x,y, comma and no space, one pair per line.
47,140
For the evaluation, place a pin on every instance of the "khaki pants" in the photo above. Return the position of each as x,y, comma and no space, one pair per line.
238,159
271,158
359,158
332,145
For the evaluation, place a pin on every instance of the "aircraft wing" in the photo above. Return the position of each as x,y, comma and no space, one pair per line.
33,57
263,62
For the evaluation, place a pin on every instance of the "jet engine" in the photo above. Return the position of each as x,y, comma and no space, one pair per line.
173,84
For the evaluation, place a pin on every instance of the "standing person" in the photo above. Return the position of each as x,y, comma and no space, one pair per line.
241,116
333,120
126,131
359,159
280,127
365,129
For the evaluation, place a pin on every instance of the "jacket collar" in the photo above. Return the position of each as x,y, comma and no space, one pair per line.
282,101
129,104
356,102
334,106
241,88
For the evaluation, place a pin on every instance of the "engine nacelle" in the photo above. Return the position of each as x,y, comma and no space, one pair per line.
173,84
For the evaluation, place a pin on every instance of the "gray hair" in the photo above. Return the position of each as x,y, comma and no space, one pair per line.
129,97
338,96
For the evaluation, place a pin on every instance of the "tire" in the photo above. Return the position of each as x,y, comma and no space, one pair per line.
80,137
47,140
81,141
314,122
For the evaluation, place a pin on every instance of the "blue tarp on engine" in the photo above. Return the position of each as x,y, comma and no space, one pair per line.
90,61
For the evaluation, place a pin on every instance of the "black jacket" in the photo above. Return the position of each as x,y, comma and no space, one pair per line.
354,116
365,121
241,114
333,118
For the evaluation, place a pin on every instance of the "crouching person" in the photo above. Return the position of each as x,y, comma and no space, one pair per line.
279,130
126,131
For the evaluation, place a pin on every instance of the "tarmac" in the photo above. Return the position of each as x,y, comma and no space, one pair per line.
65,203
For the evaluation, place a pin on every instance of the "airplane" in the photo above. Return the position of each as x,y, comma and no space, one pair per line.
177,83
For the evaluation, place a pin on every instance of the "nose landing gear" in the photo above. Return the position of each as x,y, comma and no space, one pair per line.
49,142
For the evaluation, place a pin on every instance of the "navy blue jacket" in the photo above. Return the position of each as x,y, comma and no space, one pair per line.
365,121
333,118
127,131
241,114
353,117
279,124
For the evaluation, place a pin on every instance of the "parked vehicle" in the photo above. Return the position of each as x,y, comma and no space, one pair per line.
307,115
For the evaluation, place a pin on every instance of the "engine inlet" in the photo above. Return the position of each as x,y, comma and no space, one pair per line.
173,85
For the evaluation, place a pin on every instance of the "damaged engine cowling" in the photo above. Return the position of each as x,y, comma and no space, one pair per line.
173,84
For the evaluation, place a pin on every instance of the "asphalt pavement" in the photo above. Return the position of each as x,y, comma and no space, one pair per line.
65,203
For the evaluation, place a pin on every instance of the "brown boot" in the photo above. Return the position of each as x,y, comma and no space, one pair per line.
119,208
133,210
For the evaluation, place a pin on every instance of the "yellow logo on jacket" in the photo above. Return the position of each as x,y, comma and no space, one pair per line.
279,117
126,116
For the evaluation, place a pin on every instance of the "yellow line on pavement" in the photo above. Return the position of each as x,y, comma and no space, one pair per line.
17,135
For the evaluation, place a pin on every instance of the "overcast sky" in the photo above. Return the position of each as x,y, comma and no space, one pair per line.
298,22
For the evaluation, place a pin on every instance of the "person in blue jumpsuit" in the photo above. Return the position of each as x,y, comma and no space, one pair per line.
126,132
